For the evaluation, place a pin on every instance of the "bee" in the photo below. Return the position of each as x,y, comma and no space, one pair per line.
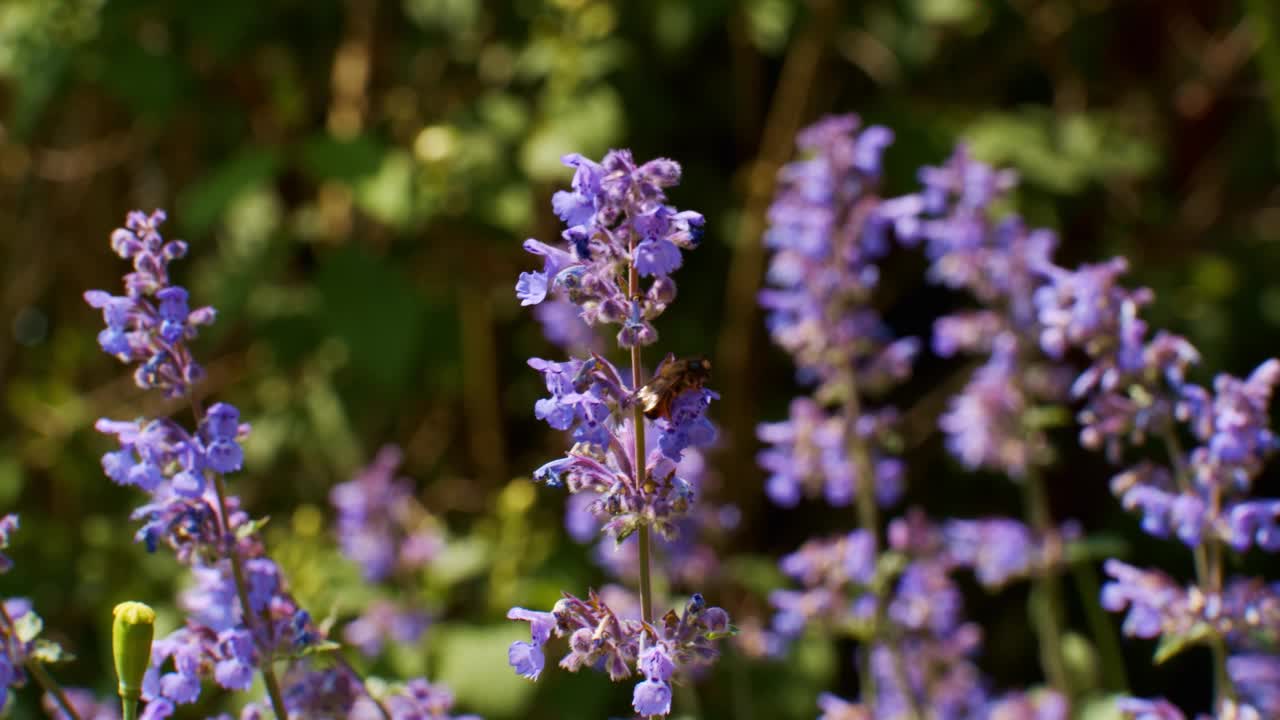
672,378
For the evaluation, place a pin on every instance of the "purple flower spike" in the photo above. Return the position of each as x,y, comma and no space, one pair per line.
150,327
151,323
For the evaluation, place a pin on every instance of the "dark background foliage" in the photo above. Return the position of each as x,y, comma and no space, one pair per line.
355,180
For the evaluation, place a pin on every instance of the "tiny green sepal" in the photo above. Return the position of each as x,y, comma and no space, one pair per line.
731,631
1173,644
131,634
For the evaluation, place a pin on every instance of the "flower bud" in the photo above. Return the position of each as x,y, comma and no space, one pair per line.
131,634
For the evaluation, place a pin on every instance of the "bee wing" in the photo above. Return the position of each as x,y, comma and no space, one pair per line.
649,396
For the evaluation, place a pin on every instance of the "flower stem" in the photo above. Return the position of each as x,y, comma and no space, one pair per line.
346,665
646,583
242,591
638,463
52,687
39,672
128,709
1111,659
869,519
1048,620
237,573
1208,560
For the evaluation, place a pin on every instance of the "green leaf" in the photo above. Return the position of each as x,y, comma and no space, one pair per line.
1172,645
944,12
1082,661
252,527
202,205
28,627
328,158
324,646
1048,416
372,308
733,630
152,84
1103,707
757,573
387,194
464,662
1095,547
462,558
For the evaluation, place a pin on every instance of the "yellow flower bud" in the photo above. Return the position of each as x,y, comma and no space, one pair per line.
131,635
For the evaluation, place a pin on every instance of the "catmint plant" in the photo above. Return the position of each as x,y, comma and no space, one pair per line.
998,422
240,616
383,529
622,243
23,653
829,231
1135,392
688,559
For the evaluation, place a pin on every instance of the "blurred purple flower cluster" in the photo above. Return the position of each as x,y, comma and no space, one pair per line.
1135,391
1034,321
383,529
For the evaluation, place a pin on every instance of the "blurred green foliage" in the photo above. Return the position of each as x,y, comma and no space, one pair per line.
356,177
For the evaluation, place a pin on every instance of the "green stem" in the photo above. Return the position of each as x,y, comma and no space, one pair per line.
52,687
1110,655
638,462
346,665
39,672
242,588
1265,21
242,591
1208,560
869,519
1048,586
128,709
646,587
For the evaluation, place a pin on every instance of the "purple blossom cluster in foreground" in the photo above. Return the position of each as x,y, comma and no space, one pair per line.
240,617
622,243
